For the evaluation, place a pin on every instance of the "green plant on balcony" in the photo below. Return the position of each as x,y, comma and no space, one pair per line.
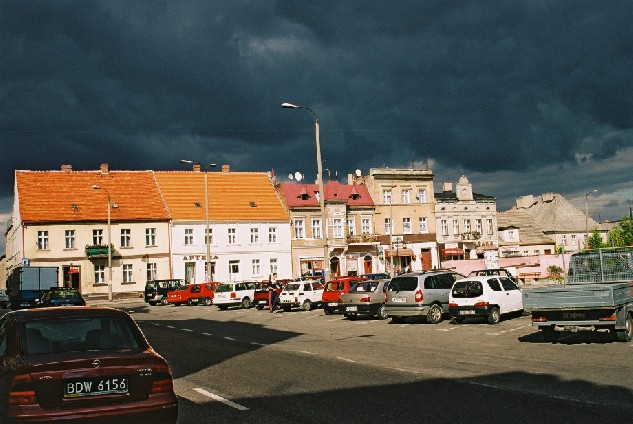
98,250
471,235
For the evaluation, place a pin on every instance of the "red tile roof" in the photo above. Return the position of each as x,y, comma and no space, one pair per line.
62,196
353,195
233,196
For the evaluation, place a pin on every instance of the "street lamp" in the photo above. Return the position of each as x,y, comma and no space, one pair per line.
96,187
587,217
391,230
207,268
326,253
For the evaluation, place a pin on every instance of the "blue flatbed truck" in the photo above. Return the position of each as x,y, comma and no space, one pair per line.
27,284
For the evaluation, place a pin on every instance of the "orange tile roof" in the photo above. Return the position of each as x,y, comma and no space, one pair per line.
230,196
49,196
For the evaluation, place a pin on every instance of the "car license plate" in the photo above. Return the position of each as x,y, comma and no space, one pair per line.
95,387
332,304
467,312
351,309
398,299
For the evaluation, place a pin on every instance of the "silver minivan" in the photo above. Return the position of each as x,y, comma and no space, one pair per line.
420,294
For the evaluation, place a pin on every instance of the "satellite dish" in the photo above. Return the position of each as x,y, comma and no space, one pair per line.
290,177
358,173
298,176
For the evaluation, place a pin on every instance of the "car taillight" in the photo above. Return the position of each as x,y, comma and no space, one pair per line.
419,296
365,299
609,318
22,393
163,381
339,300
233,295
482,303
539,319
452,304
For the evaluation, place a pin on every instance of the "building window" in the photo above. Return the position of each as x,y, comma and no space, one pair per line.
386,197
99,274
232,232
257,269
444,225
317,232
150,237
42,240
489,227
406,225
188,236
424,227
563,240
299,229
366,225
272,234
387,225
70,239
151,271
478,227
573,240
254,235
273,265
351,226
97,237
126,237
337,224
127,273
406,198
421,196
455,226
208,236
467,225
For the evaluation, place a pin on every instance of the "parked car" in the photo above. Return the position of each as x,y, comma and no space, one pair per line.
260,299
87,364
376,276
156,290
234,294
333,289
365,298
484,296
302,294
420,294
4,299
192,294
502,272
60,296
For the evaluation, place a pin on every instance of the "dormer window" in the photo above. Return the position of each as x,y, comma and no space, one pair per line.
304,194
253,204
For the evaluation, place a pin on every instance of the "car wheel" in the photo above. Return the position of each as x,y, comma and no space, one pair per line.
163,301
494,316
626,335
352,317
208,301
382,312
246,303
435,315
176,304
549,334
307,305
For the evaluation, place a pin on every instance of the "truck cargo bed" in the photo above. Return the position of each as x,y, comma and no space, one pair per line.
578,296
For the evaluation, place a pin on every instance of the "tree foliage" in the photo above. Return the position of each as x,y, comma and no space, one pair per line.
595,240
622,235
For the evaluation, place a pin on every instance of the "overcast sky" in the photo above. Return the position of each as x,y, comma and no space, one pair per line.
522,97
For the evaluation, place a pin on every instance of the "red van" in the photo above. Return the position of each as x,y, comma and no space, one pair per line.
192,294
334,288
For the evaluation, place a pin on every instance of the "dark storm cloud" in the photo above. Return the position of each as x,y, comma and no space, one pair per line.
480,87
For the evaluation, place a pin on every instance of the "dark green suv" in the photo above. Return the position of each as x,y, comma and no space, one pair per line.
156,290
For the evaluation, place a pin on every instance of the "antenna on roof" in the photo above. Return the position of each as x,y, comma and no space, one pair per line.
290,177
298,176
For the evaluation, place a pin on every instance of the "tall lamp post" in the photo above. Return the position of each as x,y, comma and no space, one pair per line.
391,231
326,253
96,187
587,217
207,268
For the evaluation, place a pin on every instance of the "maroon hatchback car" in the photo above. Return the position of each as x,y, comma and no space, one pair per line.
83,364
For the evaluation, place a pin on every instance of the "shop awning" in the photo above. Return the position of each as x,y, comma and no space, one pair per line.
453,252
399,252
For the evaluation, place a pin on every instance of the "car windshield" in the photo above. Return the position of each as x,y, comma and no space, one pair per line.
334,286
467,289
66,294
183,288
224,288
364,287
292,287
78,334
403,284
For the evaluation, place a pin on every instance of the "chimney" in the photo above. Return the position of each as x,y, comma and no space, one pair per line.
67,168
104,168
197,167
524,202
447,187
226,169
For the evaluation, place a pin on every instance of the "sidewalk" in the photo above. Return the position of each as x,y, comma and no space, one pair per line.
117,298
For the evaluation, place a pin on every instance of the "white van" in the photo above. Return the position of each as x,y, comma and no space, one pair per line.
234,294
484,296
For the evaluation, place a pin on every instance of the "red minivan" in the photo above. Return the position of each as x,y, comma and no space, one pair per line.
192,294
334,288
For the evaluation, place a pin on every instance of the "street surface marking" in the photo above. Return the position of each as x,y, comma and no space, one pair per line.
306,352
207,334
229,338
448,329
345,359
221,399
509,331
170,326
186,329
